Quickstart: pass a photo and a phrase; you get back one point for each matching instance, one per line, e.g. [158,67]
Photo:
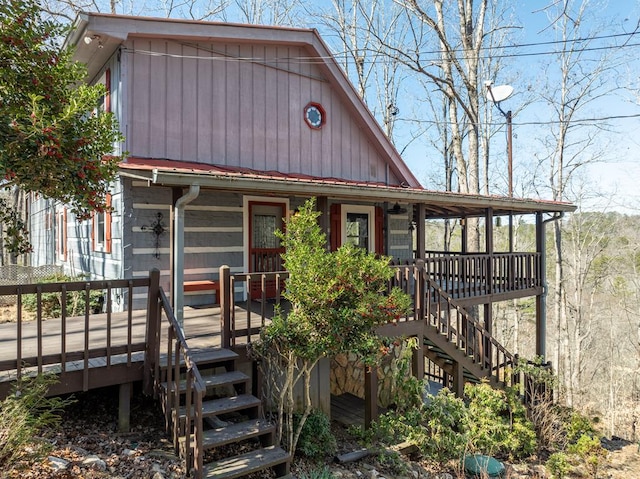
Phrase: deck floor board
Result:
[201,329]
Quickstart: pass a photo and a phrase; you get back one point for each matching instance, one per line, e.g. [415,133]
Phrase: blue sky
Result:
[617,173]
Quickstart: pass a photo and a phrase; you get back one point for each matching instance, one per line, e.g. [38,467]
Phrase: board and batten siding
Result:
[241,105]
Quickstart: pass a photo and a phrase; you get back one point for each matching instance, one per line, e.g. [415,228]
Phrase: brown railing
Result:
[194,389]
[242,325]
[463,330]
[77,341]
[439,308]
[473,274]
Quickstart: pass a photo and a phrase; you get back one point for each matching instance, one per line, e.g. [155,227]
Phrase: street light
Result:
[498,94]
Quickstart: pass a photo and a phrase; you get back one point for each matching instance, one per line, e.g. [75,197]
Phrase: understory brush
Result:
[74,303]
[25,412]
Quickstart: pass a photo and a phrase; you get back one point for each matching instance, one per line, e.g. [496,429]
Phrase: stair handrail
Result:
[195,390]
[480,336]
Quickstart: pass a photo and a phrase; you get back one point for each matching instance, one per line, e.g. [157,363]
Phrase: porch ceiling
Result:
[438,204]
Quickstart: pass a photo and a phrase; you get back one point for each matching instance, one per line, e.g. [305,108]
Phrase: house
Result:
[228,129]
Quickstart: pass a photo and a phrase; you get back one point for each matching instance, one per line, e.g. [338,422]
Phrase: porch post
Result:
[152,341]
[464,235]
[458,379]
[421,231]
[322,205]
[491,279]
[488,245]
[417,365]
[541,303]
[225,305]
[370,396]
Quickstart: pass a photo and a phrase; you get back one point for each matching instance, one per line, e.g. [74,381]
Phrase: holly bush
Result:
[54,137]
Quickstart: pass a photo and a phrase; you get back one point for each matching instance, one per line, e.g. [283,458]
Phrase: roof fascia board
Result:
[361,192]
[123,27]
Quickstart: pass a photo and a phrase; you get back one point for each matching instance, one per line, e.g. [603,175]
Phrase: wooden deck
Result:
[116,343]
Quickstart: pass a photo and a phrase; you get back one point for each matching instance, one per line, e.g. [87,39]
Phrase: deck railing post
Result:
[225,305]
[153,329]
[421,289]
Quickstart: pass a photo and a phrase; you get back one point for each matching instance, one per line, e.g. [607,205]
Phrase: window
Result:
[104,103]
[61,234]
[357,224]
[101,229]
[357,229]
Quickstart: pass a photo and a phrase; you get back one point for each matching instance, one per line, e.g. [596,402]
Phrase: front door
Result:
[264,247]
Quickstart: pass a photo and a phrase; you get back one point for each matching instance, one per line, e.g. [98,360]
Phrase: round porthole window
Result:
[314,115]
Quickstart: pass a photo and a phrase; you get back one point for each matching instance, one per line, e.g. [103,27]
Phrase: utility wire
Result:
[345,55]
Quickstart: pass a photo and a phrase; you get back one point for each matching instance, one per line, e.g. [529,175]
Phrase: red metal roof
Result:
[438,203]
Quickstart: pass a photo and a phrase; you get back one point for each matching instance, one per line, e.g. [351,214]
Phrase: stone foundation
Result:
[347,376]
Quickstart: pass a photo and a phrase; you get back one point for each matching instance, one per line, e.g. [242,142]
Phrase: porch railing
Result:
[66,344]
[182,379]
[474,274]
[254,316]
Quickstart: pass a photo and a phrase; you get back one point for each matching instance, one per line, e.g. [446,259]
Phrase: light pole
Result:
[498,94]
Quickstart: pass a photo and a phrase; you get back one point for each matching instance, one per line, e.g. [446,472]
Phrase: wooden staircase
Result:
[460,346]
[232,420]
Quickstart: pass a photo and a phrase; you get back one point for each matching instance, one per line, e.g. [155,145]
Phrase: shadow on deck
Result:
[104,350]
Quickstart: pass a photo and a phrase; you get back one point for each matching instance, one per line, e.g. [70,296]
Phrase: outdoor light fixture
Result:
[90,38]
[397,210]
[498,94]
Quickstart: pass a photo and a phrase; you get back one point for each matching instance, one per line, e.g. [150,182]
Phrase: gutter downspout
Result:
[541,347]
[177,288]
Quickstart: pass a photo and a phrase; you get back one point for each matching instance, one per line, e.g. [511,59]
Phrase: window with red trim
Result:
[357,224]
[61,234]
[101,229]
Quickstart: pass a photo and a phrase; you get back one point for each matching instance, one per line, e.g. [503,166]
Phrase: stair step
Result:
[206,356]
[247,463]
[216,380]
[234,432]
[215,407]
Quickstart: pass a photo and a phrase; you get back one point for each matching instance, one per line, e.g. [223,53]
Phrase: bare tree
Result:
[67,10]
[266,12]
[361,30]
[574,80]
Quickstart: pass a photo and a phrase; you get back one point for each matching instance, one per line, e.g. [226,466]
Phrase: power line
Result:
[576,122]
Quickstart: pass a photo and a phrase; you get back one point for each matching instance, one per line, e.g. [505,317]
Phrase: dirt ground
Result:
[88,445]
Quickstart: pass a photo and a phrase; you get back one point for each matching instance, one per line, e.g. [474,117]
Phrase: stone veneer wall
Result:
[347,376]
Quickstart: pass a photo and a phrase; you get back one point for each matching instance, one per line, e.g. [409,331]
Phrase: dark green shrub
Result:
[558,465]
[498,422]
[438,428]
[52,302]
[590,452]
[24,413]
[316,439]
[578,425]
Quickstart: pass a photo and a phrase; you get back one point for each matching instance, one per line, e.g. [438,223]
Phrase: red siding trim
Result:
[107,226]
[336,226]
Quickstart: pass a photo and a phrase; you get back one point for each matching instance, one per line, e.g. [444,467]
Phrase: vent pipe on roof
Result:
[177,288]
